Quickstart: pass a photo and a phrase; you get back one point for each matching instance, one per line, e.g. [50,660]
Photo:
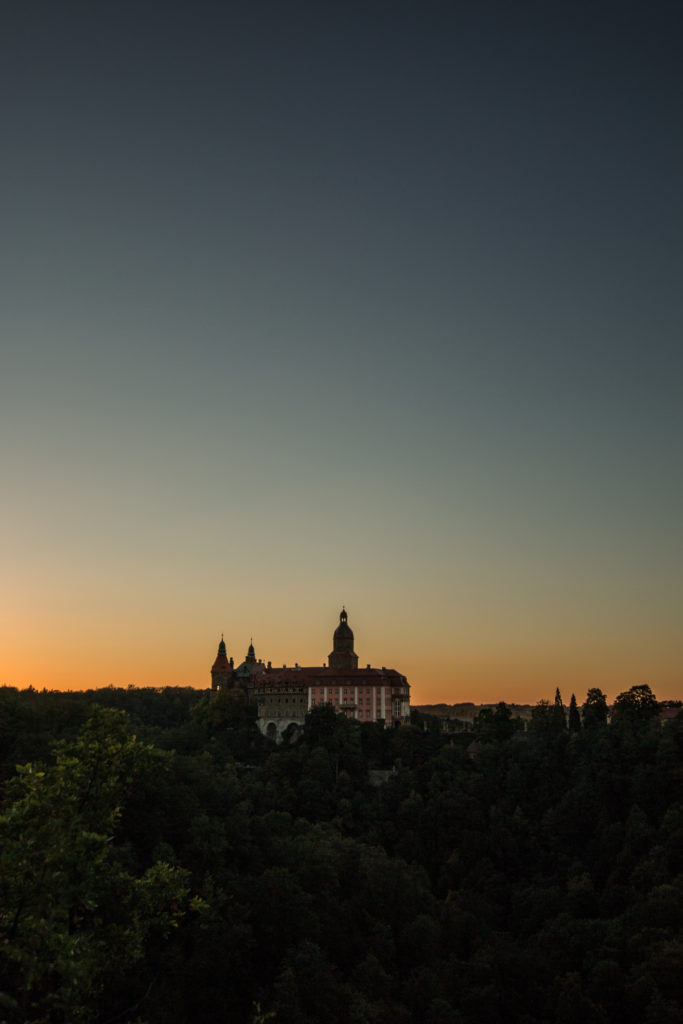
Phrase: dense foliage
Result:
[161,861]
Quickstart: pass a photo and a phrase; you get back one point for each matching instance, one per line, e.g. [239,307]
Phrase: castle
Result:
[284,695]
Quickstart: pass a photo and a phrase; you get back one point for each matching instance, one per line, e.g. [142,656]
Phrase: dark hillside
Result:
[161,861]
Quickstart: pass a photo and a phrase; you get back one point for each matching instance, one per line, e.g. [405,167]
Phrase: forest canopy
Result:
[160,860]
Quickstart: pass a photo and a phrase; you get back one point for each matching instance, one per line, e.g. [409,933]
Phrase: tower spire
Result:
[343,657]
[221,668]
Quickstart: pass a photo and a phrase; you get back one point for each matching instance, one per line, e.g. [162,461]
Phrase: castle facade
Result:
[284,695]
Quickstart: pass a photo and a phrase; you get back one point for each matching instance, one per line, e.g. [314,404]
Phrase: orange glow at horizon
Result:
[457,672]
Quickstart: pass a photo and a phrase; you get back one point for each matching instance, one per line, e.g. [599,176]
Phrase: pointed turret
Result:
[221,670]
[250,667]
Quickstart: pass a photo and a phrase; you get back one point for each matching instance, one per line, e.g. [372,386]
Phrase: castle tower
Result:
[250,666]
[221,670]
[343,657]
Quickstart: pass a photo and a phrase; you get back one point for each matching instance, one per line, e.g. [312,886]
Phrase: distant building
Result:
[284,695]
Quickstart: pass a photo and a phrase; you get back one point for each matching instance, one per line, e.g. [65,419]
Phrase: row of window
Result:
[361,712]
[346,689]
[270,699]
[345,700]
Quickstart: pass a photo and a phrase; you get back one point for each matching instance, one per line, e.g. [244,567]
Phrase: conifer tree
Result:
[574,716]
[559,718]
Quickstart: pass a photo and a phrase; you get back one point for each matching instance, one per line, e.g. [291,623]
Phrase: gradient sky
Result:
[368,303]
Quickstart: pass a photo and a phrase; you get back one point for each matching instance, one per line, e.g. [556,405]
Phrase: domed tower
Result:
[343,657]
[221,670]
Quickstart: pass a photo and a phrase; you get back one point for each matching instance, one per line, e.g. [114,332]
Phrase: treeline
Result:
[162,861]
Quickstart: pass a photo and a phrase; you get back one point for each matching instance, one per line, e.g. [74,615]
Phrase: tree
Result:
[574,716]
[322,726]
[541,717]
[495,726]
[70,914]
[559,717]
[594,709]
[635,707]
[548,719]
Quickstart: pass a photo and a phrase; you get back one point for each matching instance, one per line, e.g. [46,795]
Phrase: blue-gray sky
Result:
[374,303]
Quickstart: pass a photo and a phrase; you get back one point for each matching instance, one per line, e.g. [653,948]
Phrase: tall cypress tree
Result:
[574,716]
[559,719]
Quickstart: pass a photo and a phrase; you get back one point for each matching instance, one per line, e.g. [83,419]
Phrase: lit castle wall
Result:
[284,695]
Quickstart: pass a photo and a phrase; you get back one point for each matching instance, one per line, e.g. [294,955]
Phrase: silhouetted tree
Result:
[322,725]
[636,706]
[541,717]
[494,725]
[559,717]
[574,716]
[595,708]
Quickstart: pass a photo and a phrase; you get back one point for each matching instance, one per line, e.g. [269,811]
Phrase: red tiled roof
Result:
[221,664]
[306,675]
